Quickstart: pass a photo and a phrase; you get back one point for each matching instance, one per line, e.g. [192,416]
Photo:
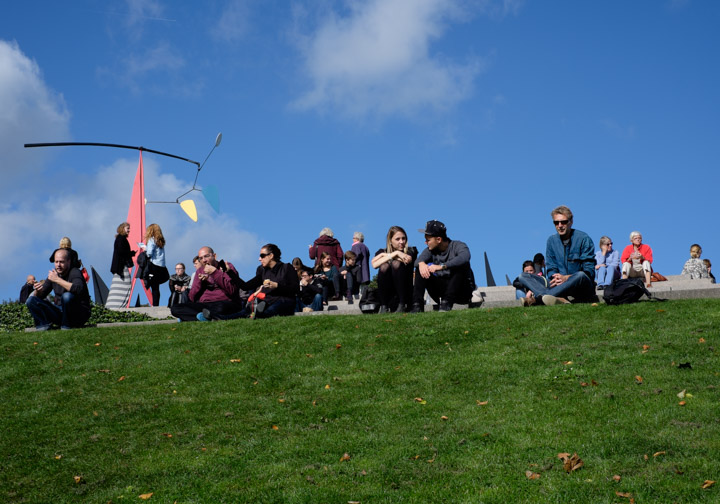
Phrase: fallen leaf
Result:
[345,457]
[682,403]
[708,484]
[701,340]
[638,379]
[594,383]
[567,363]
[444,418]
[121,378]
[420,400]
[571,464]
[658,453]
[281,400]
[80,479]
[646,348]
[626,495]
[103,371]
[167,434]
[531,475]
[681,394]
[327,387]
[98,344]
[645,457]
[58,457]
[235,360]
[481,403]
[145,496]
[275,427]
[583,384]
[95,413]
[309,356]
[338,346]
[617,478]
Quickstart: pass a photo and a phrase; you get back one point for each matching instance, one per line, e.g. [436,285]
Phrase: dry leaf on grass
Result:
[444,418]
[481,403]
[275,427]
[571,463]
[682,403]
[617,478]
[701,340]
[345,457]
[235,360]
[121,378]
[531,475]
[80,479]
[145,496]
[638,379]
[658,453]
[707,484]
[681,394]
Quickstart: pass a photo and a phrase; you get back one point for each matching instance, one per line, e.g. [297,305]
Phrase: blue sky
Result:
[359,115]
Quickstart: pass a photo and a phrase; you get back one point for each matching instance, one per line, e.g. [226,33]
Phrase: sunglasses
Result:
[263,256]
[563,222]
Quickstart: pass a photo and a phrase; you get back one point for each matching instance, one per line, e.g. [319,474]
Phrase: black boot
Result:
[417,308]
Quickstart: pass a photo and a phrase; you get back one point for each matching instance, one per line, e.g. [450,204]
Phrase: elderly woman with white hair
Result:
[637,259]
[326,242]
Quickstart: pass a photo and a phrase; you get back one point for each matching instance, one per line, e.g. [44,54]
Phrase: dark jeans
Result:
[70,313]
[316,304]
[187,312]
[455,287]
[282,307]
[394,280]
[579,286]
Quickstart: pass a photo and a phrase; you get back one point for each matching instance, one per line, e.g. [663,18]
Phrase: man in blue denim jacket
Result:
[570,261]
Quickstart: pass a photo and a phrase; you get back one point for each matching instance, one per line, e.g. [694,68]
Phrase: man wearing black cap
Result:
[443,268]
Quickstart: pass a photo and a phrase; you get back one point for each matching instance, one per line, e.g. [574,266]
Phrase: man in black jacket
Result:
[27,288]
[72,299]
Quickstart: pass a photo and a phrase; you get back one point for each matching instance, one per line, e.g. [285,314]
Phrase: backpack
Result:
[369,302]
[625,291]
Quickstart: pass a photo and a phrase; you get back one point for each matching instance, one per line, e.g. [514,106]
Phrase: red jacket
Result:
[645,250]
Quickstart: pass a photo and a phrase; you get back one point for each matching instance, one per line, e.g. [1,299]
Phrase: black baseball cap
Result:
[434,228]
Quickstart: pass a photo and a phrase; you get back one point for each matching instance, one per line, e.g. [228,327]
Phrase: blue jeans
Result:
[579,286]
[69,314]
[520,294]
[316,305]
[605,275]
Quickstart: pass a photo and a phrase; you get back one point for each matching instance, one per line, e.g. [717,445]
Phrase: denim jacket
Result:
[578,255]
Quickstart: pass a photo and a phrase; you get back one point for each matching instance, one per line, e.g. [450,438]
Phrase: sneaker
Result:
[206,313]
[445,306]
[383,309]
[528,301]
[549,300]
[476,297]
[201,317]
[350,300]
[402,308]
[417,308]
[45,327]
[65,328]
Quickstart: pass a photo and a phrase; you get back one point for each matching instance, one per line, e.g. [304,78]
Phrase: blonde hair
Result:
[391,233]
[695,250]
[121,228]
[605,240]
[563,210]
[153,231]
[65,243]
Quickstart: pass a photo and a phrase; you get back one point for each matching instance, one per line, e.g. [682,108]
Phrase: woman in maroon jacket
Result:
[326,242]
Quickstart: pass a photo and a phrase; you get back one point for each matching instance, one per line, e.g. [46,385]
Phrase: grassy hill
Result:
[468,406]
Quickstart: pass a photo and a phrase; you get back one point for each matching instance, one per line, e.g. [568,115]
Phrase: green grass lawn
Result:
[434,407]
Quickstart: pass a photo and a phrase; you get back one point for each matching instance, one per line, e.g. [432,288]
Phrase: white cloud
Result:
[31,113]
[90,215]
[233,23]
[377,60]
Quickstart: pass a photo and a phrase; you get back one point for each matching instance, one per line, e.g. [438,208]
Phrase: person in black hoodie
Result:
[310,297]
[275,287]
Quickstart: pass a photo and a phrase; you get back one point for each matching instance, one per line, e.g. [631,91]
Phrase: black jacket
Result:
[285,276]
